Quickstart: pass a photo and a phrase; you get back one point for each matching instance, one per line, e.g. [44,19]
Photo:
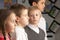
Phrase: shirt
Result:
[2,37]
[20,33]
[36,29]
[42,25]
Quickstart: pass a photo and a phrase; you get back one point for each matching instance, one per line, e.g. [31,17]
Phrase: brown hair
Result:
[18,9]
[31,1]
[4,13]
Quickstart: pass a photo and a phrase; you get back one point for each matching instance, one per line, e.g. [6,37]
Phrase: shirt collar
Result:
[36,29]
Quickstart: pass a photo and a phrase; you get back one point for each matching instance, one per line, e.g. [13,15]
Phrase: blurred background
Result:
[51,14]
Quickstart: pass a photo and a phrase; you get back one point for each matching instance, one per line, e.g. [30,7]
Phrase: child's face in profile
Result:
[10,23]
[40,5]
[34,16]
[24,18]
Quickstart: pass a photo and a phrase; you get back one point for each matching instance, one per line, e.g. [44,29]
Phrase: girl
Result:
[7,23]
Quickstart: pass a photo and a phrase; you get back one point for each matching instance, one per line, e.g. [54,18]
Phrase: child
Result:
[33,31]
[7,23]
[22,20]
[41,5]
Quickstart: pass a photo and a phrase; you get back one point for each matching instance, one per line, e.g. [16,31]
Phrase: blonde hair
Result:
[32,8]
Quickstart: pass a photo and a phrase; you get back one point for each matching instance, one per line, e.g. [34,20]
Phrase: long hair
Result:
[4,13]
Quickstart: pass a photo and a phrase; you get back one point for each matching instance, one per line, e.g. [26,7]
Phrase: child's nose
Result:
[34,17]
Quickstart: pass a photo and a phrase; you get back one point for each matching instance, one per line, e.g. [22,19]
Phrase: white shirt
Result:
[42,25]
[36,29]
[20,33]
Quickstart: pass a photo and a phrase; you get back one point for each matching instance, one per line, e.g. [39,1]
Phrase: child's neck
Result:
[20,25]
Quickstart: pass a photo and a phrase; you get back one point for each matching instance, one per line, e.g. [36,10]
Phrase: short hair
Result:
[18,9]
[31,1]
[32,8]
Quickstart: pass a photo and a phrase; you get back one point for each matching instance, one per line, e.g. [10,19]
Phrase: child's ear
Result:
[17,19]
[34,3]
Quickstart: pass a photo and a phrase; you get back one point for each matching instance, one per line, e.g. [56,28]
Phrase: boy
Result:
[32,29]
[40,4]
[22,20]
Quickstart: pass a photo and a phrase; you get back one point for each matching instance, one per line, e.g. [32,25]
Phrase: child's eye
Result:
[36,14]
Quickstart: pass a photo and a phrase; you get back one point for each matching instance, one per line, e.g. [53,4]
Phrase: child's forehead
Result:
[35,12]
[42,0]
